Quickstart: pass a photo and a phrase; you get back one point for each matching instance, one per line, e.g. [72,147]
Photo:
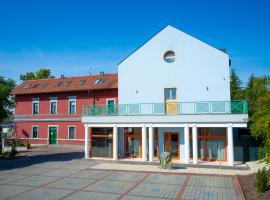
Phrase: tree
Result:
[256,87]
[40,74]
[236,90]
[260,122]
[6,99]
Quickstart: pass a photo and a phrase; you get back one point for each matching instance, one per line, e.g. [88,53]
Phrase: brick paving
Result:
[52,179]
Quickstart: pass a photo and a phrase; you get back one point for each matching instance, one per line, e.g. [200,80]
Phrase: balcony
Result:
[181,108]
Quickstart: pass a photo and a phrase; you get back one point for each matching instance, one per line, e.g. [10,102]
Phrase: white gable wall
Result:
[143,76]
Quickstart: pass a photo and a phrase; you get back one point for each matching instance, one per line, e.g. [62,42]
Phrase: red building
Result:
[48,111]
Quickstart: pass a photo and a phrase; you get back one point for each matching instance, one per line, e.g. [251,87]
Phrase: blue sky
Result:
[79,37]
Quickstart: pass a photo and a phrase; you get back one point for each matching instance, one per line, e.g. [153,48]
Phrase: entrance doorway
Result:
[133,143]
[52,135]
[172,144]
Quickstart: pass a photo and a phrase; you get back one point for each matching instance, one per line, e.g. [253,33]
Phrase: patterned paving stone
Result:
[156,190]
[43,193]
[126,176]
[211,181]
[211,193]
[94,174]
[83,195]
[71,183]
[6,178]
[8,191]
[60,172]
[165,179]
[131,197]
[110,186]
[30,171]
[35,180]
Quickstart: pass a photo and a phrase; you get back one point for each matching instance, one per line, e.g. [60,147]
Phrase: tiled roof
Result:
[79,83]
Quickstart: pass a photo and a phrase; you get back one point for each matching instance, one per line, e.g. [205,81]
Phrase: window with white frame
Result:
[72,105]
[34,132]
[53,105]
[35,106]
[110,105]
[72,132]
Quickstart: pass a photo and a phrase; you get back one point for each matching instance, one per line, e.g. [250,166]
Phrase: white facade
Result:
[200,72]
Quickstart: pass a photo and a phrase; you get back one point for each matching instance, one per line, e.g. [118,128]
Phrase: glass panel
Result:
[174,145]
[102,131]
[166,142]
[111,107]
[35,108]
[215,149]
[173,90]
[71,133]
[216,132]
[101,147]
[35,132]
[155,144]
[72,107]
[201,148]
[53,107]
[167,94]
[133,147]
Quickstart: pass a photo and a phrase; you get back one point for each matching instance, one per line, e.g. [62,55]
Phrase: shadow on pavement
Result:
[8,164]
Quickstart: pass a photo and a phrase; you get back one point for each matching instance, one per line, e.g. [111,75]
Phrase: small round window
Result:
[169,56]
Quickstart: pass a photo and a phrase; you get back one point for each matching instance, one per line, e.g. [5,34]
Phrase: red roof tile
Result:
[79,83]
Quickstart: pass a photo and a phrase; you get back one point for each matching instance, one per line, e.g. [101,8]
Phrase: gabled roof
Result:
[67,84]
[167,26]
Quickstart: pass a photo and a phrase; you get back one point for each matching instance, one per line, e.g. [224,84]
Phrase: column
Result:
[186,138]
[115,142]
[144,154]
[230,145]
[195,144]
[86,141]
[151,144]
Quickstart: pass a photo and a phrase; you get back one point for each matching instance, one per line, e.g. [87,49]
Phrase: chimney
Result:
[62,76]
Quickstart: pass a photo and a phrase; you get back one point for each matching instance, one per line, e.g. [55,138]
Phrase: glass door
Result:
[171,144]
[133,143]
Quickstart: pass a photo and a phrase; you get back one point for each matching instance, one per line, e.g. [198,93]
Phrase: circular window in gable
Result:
[169,56]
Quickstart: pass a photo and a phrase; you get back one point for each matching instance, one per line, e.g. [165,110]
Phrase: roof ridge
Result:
[71,77]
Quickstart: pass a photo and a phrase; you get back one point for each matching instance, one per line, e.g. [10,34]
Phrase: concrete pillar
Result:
[186,138]
[195,144]
[144,153]
[86,141]
[230,145]
[115,142]
[151,144]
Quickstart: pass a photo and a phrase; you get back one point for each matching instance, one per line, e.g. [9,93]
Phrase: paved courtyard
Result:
[69,176]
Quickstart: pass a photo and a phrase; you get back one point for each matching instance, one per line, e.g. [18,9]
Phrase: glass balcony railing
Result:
[204,107]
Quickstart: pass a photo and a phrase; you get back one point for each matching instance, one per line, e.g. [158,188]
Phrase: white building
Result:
[173,95]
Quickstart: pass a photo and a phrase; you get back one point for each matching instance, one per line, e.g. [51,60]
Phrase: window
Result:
[34,132]
[35,107]
[170,93]
[67,83]
[72,105]
[58,84]
[27,86]
[110,106]
[81,82]
[100,81]
[169,57]
[71,132]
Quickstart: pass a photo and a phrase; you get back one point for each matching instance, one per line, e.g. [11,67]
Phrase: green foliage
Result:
[165,159]
[6,99]
[262,179]
[256,88]
[235,83]
[40,74]
[260,122]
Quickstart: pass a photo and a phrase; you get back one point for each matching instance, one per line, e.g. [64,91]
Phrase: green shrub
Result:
[262,179]
[165,159]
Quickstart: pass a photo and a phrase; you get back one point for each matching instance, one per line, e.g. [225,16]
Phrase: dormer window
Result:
[99,81]
[81,82]
[27,86]
[169,56]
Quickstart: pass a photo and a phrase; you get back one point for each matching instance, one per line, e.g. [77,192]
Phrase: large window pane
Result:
[101,147]
[53,107]
[72,107]
[71,132]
